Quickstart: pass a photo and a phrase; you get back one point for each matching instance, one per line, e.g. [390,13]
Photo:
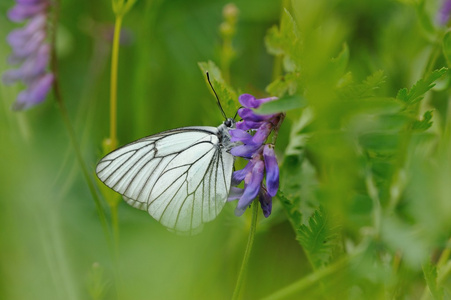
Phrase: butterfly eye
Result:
[229,122]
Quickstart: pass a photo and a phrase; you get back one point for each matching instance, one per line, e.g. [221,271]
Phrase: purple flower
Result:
[30,51]
[272,170]
[252,132]
[265,202]
[444,13]
[252,183]
[250,101]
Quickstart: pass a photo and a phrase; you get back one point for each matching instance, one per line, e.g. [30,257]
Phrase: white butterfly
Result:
[181,177]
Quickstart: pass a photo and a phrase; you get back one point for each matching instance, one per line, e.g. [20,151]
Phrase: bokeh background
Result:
[51,236]
[51,241]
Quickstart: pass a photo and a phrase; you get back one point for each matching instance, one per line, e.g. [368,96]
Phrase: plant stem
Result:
[309,280]
[113,119]
[72,136]
[113,83]
[250,241]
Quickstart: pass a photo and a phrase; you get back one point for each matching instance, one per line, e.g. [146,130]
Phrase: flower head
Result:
[30,51]
[251,134]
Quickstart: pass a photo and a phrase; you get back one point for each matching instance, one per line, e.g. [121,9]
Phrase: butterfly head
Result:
[230,123]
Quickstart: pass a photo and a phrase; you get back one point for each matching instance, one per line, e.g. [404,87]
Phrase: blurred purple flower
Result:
[444,13]
[262,158]
[31,51]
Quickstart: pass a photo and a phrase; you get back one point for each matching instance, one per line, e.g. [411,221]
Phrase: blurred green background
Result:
[51,239]
[50,232]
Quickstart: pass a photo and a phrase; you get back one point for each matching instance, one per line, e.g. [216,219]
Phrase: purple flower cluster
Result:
[31,51]
[444,13]
[261,156]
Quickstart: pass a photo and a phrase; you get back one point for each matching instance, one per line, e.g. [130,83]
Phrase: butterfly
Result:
[181,177]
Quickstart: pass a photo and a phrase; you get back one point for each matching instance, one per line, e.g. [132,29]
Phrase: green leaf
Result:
[286,84]
[281,105]
[226,93]
[274,41]
[319,238]
[365,89]
[399,235]
[285,39]
[373,105]
[291,207]
[340,63]
[447,47]
[424,124]
[380,141]
[430,275]
[415,94]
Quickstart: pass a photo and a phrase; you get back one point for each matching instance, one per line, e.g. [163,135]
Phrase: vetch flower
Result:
[272,170]
[444,13]
[265,202]
[31,51]
[251,134]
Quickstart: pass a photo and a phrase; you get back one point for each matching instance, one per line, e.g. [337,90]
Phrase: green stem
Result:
[308,281]
[435,53]
[115,223]
[113,142]
[72,136]
[113,83]
[277,67]
[247,253]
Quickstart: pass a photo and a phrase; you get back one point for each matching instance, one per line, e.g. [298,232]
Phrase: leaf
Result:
[274,41]
[281,105]
[447,47]
[340,63]
[286,84]
[365,89]
[285,39]
[424,124]
[373,105]
[292,209]
[226,93]
[415,94]
[383,141]
[430,275]
[319,238]
[400,235]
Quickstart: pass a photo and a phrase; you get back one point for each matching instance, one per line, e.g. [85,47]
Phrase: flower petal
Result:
[265,202]
[247,125]
[35,94]
[235,193]
[248,114]
[262,133]
[248,100]
[11,76]
[245,151]
[238,135]
[252,185]
[272,170]
[35,65]
[239,175]
[26,46]
[23,11]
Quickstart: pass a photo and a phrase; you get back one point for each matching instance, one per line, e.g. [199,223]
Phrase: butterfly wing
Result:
[181,177]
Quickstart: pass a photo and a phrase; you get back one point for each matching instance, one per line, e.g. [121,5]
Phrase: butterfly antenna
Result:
[236,114]
[216,95]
